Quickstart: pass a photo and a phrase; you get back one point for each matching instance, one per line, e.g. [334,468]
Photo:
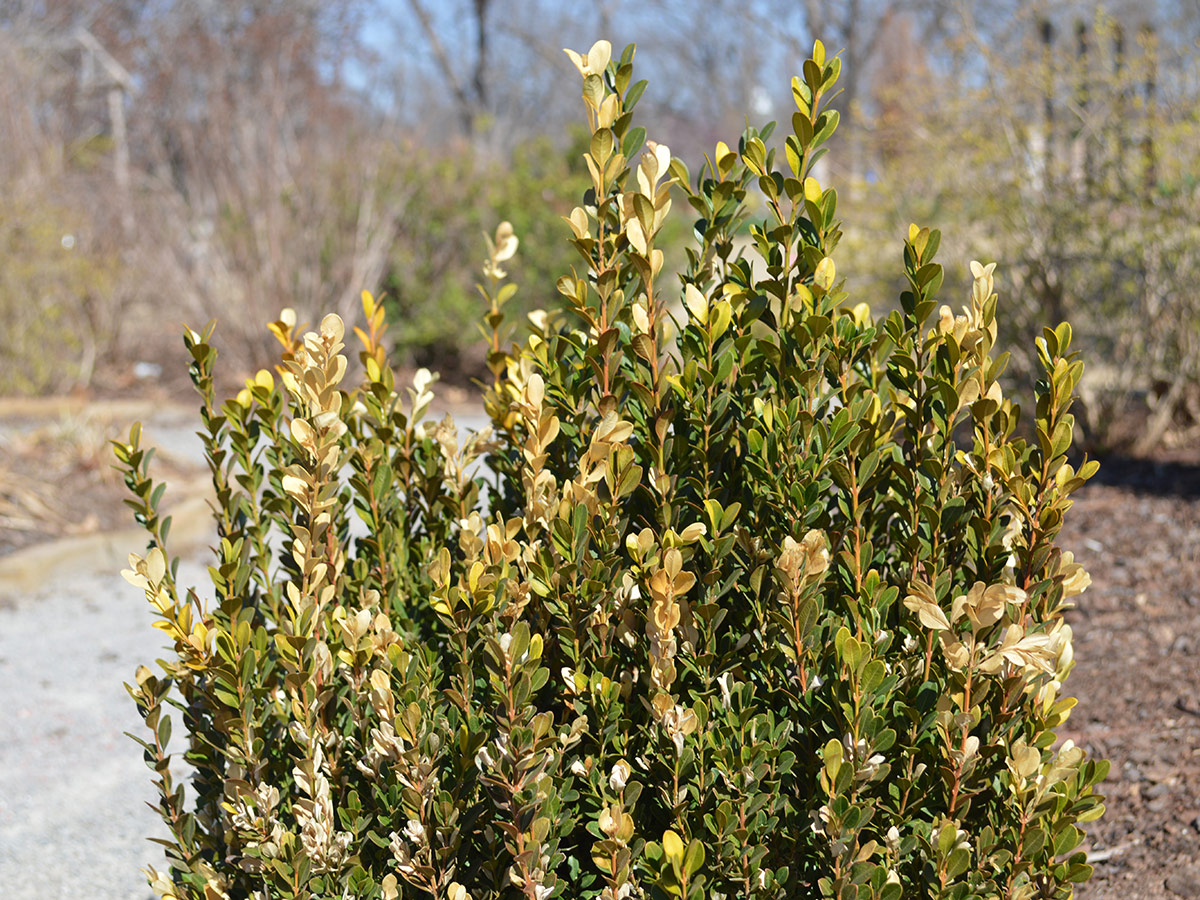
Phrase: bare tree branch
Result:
[468,106]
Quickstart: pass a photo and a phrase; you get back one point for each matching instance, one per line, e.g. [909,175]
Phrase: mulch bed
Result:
[1136,529]
[57,480]
[57,475]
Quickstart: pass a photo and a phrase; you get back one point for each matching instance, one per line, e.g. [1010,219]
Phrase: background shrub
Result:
[756,596]
[1073,161]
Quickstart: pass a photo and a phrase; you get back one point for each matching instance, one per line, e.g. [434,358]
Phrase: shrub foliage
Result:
[749,595]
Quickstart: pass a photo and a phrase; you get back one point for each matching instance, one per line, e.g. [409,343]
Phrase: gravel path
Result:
[73,787]
[73,823]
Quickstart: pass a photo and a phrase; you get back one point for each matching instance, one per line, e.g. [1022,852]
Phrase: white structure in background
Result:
[99,69]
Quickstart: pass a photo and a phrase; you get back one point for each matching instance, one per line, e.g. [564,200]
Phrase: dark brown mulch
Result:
[1136,528]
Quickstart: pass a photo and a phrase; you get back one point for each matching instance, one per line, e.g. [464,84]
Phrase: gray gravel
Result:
[73,823]
[73,787]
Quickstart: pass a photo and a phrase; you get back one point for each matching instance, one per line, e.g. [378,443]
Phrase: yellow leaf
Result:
[138,581]
[294,487]
[332,327]
[637,237]
[577,59]
[683,583]
[156,565]
[302,432]
[535,390]
[579,222]
[672,846]
[608,111]
[696,303]
[506,242]
[930,614]
[825,274]
[598,57]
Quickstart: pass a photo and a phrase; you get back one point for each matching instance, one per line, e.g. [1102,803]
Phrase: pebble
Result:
[1185,883]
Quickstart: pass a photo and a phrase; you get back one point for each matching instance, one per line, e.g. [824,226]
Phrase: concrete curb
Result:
[27,570]
[49,408]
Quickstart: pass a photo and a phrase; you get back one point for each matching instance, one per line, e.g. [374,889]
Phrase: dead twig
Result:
[1109,852]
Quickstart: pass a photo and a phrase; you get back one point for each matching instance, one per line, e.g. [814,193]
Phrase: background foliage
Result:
[1074,156]
[426,285]
[231,159]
